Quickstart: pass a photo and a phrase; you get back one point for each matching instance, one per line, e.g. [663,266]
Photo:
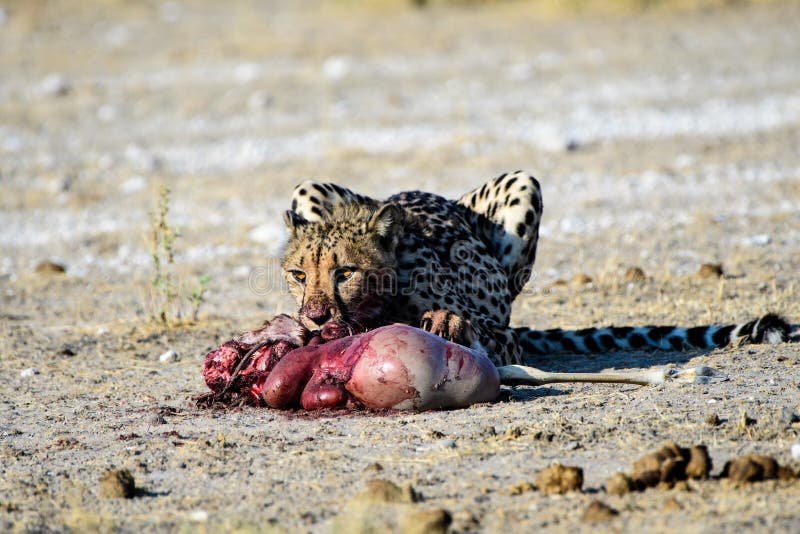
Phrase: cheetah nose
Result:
[319,316]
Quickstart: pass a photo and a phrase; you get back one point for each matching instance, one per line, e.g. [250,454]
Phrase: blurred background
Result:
[665,134]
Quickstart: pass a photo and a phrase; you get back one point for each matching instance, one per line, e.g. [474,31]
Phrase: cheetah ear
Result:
[384,223]
[293,221]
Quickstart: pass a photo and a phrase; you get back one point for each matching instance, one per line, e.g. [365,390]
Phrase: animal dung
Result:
[665,468]
[710,270]
[559,479]
[755,468]
[117,484]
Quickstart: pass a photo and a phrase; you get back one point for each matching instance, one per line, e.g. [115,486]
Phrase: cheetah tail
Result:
[770,328]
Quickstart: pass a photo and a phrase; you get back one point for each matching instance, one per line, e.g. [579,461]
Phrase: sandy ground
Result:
[662,141]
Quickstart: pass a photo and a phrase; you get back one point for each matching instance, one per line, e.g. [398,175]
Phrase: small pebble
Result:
[168,357]
[572,445]
[336,67]
[581,279]
[635,275]
[198,516]
[787,415]
[672,505]
[374,467]
[29,372]
[49,267]
[759,240]
[55,85]
[157,419]
[795,451]
[259,100]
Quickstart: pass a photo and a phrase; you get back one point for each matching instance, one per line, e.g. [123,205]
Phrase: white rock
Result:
[259,100]
[29,372]
[336,67]
[242,271]
[133,184]
[168,357]
[796,451]
[198,516]
[55,84]
[102,331]
[106,113]
[759,240]
[247,72]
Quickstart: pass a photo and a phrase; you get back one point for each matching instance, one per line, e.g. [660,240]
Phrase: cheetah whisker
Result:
[530,376]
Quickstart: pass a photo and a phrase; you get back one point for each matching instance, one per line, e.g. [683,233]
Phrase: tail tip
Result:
[772,328]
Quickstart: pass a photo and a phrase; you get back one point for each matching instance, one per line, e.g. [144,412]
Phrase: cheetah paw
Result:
[449,326]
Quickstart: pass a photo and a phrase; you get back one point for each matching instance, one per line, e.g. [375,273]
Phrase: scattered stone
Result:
[581,279]
[158,419]
[598,512]
[559,479]
[755,468]
[169,356]
[710,270]
[672,505]
[29,372]
[488,431]
[48,267]
[635,275]
[117,484]
[68,350]
[259,100]
[795,448]
[374,467]
[133,185]
[786,415]
[384,491]
[336,67]
[519,489]
[700,464]
[758,240]
[572,445]
[55,84]
[620,484]
[198,516]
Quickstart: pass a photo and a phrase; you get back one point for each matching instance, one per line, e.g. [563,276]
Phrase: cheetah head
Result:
[341,270]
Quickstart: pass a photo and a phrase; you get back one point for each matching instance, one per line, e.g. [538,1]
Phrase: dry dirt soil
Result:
[663,140]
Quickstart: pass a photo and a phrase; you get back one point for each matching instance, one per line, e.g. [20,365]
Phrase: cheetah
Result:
[450,267]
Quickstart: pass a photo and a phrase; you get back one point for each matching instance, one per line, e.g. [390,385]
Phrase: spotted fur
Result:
[453,267]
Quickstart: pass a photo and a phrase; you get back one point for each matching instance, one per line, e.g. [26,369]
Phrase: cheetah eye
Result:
[298,275]
[344,273]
